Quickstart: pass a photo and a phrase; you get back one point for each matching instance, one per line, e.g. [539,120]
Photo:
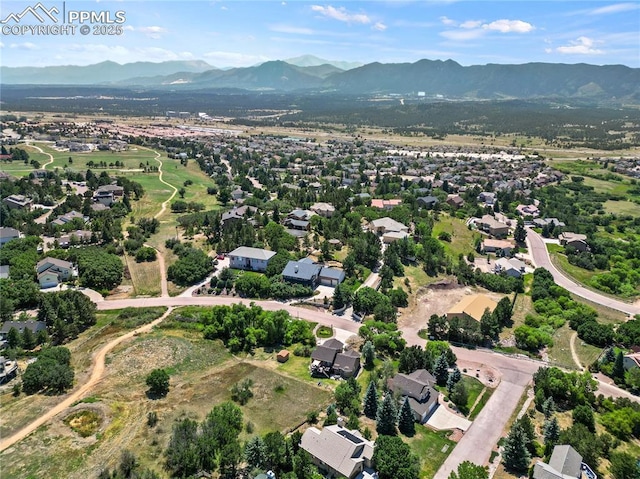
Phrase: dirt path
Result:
[95,377]
[41,151]
[574,355]
[175,190]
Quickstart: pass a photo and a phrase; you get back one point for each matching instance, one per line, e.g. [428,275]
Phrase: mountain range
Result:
[435,78]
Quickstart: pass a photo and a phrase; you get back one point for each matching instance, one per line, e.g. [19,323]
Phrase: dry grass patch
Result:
[145,277]
[85,423]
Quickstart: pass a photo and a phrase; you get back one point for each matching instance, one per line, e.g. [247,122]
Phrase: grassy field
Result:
[202,373]
[145,277]
[622,208]
[431,447]
[604,186]
[462,238]
[560,352]
[474,389]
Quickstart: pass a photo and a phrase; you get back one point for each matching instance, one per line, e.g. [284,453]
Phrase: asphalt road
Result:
[540,255]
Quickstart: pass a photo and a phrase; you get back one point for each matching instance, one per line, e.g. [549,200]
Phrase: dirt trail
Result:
[574,355]
[95,377]
[44,166]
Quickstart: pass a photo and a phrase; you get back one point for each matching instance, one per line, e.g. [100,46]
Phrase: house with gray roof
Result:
[331,276]
[302,272]
[339,451]
[52,271]
[330,359]
[385,225]
[7,234]
[565,463]
[250,259]
[427,201]
[20,326]
[418,388]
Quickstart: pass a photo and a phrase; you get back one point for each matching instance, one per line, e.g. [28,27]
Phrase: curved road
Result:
[541,258]
[96,376]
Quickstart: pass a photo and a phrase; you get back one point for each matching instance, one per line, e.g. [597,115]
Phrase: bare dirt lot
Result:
[437,299]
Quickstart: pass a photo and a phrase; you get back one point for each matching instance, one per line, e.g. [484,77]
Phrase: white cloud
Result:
[509,26]
[448,21]
[471,24]
[152,31]
[291,29]
[580,46]
[341,14]
[24,46]
[615,8]
[381,27]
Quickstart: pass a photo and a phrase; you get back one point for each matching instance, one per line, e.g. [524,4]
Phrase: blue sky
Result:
[244,33]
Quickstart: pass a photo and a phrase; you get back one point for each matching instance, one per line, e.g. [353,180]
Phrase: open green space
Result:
[560,352]
[431,447]
[462,238]
[622,207]
[474,389]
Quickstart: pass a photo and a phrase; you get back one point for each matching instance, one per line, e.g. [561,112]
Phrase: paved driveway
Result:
[442,418]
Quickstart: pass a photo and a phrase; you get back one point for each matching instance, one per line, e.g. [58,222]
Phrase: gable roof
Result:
[334,343]
[6,232]
[349,361]
[332,273]
[48,262]
[565,463]
[341,449]
[324,354]
[473,306]
[34,326]
[389,224]
[416,385]
[253,253]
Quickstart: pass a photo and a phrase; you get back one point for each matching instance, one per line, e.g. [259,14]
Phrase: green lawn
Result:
[431,447]
[462,238]
[622,207]
[560,352]
[474,388]
[604,186]
[488,392]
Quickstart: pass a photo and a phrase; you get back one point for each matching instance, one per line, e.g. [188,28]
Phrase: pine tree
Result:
[548,407]
[371,401]
[516,455]
[441,370]
[406,422]
[332,416]
[453,379]
[520,234]
[387,415]
[551,431]
[368,354]
[618,367]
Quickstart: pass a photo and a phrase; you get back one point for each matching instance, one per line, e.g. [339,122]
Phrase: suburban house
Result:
[427,202]
[52,271]
[325,210]
[542,222]
[575,240]
[472,306]
[75,237]
[68,217]
[300,215]
[511,267]
[490,225]
[565,463]
[630,361]
[237,215]
[300,225]
[455,201]
[385,225]
[528,210]
[7,234]
[302,272]
[250,259]
[20,326]
[418,388]
[330,359]
[18,202]
[499,247]
[4,271]
[339,451]
[107,194]
[385,204]
[487,198]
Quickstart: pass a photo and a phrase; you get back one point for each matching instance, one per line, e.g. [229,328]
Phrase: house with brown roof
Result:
[418,388]
[499,247]
[455,201]
[472,306]
[339,451]
[490,225]
[574,240]
[330,359]
[18,202]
